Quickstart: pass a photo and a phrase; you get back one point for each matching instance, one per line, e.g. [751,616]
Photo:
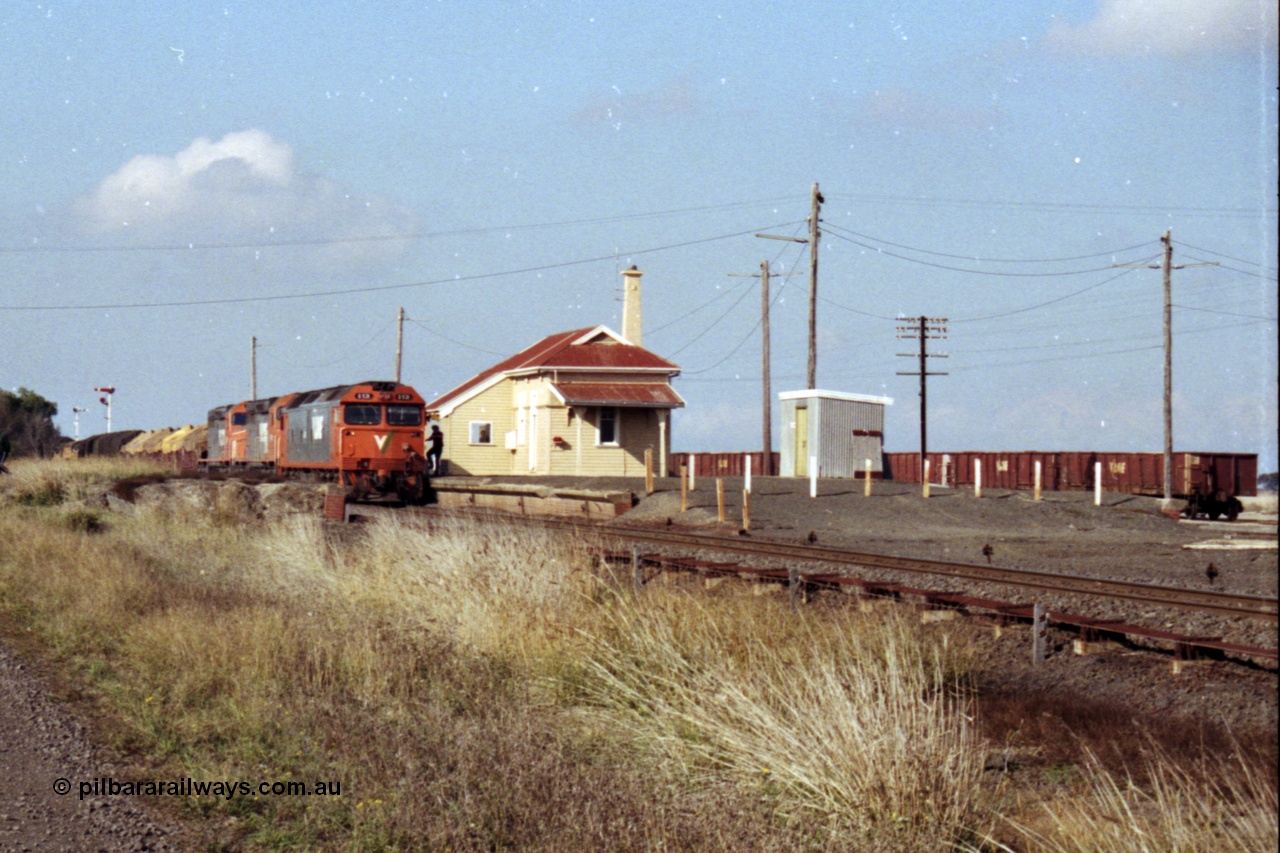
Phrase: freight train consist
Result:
[369,437]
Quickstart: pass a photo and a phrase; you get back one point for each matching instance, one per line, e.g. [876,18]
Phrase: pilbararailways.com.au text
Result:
[105,786]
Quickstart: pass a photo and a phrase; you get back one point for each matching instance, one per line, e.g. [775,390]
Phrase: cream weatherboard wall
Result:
[525,417]
[491,406]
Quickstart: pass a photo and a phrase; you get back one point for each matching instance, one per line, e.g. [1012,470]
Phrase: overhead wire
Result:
[1222,255]
[432,331]
[378,238]
[1233,269]
[834,231]
[1057,207]
[738,301]
[378,288]
[977,259]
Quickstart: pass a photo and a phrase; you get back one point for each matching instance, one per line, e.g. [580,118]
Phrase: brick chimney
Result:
[631,324]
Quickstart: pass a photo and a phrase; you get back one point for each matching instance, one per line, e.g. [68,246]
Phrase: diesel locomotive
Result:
[369,437]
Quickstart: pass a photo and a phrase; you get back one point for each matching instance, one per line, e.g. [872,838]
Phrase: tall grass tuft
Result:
[850,721]
[49,482]
[1221,806]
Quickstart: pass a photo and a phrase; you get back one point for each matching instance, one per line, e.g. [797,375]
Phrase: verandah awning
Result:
[656,395]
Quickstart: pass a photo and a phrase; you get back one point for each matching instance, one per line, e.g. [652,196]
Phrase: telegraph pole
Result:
[766,403]
[253,368]
[815,205]
[399,342]
[766,461]
[1167,267]
[923,329]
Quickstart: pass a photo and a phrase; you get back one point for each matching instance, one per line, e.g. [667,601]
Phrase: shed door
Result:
[802,441]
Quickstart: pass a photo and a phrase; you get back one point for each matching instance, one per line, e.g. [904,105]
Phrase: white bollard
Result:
[1097,484]
[1038,480]
[813,476]
[925,487]
[746,484]
[977,478]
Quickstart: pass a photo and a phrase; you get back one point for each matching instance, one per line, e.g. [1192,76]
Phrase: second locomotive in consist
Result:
[369,437]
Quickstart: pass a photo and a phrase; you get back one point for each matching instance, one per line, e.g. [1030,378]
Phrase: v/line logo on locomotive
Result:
[369,437]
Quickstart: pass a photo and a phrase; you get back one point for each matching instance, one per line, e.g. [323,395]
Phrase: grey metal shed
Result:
[836,430]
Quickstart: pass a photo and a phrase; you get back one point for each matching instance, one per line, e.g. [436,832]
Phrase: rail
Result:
[1204,601]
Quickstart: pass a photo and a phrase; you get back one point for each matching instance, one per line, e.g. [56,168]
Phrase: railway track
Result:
[1203,601]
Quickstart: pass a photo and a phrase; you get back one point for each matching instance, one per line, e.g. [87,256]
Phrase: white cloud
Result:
[1171,28]
[205,176]
[245,186]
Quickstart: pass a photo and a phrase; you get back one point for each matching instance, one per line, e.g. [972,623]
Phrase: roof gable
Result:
[594,348]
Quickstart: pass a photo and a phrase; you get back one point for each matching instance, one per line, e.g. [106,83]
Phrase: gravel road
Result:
[42,746]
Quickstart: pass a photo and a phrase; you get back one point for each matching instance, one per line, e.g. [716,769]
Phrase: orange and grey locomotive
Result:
[369,437]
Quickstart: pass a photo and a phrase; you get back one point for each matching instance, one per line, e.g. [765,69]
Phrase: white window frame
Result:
[473,433]
[617,427]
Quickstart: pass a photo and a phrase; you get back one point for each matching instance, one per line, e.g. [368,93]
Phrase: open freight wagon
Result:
[1209,482]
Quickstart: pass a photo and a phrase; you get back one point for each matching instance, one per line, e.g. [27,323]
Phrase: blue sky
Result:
[178,178]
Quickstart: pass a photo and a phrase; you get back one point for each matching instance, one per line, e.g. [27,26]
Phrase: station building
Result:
[587,402]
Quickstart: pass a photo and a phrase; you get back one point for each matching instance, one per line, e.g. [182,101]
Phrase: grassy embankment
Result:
[480,689]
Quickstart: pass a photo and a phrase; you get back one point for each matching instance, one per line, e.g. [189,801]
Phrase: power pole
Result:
[766,403]
[399,342]
[253,368]
[923,329]
[1167,267]
[766,461]
[815,205]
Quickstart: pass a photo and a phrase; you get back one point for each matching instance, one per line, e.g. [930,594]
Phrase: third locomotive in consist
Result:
[369,437]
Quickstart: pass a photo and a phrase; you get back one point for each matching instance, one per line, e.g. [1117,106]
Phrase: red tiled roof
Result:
[652,394]
[565,350]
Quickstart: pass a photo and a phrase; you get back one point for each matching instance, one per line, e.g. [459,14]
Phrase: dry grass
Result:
[852,722]
[478,688]
[1229,806]
[49,482]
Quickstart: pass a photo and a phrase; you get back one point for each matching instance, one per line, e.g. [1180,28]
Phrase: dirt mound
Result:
[231,500]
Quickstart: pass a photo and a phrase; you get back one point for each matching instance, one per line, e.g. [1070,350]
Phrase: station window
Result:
[239,419]
[402,415]
[608,425]
[362,414]
[481,432]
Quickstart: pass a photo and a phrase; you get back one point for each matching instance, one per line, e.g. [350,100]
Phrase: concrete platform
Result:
[531,496]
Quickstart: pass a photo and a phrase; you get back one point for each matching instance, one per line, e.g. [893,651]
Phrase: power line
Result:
[1062,207]
[991,260]
[1228,257]
[379,238]
[880,251]
[1225,313]
[451,340]
[1234,269]
[721,295]
[1043,304]
[377,288]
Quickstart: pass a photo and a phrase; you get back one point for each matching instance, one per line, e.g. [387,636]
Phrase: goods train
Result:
[367,437]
